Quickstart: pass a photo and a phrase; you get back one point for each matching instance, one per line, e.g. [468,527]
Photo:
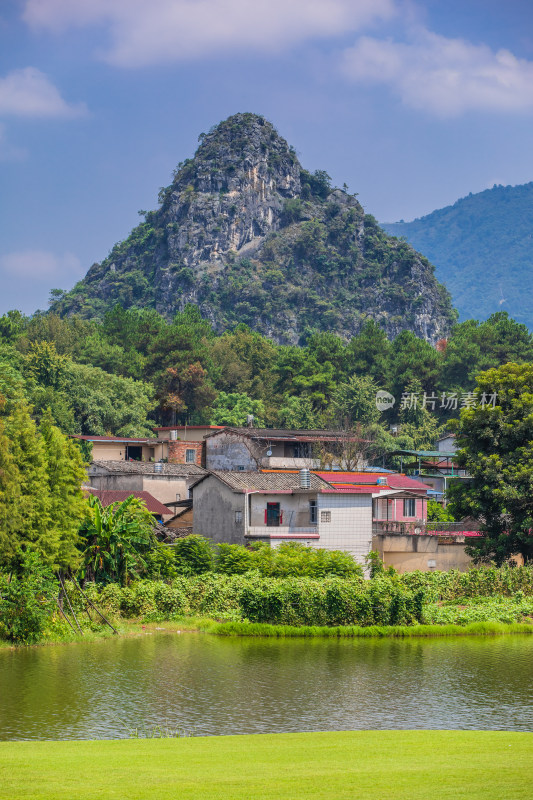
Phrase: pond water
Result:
[205,684]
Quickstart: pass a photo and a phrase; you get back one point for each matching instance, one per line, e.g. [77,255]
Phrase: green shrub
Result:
[27,599]
[193,555]
[233,559]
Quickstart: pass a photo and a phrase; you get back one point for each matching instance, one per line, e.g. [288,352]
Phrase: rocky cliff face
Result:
[249,236]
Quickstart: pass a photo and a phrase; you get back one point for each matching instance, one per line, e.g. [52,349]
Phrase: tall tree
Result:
[65,475]
[496,448]
[11,517]
[29,454]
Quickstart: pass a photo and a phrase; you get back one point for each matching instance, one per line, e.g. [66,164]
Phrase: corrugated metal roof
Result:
[147,468]
[281,434]
[394,480]
[109,496]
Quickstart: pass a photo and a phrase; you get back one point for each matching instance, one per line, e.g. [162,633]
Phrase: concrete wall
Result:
[163,487]
[116,451]
[425,553]
[107,451]
[188,434]
[350,528]
[214,512]
[294,508]
[229,451]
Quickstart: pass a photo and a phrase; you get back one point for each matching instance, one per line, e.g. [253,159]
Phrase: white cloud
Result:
[158,31]
[445,77]
[41,264]
[28,93]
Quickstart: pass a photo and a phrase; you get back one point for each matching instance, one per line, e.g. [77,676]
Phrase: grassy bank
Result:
[141,627]
[371,765]
[372,631]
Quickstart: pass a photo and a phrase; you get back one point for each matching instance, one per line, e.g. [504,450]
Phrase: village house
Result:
[435,468]
[251,449]
[275,507]
[179,444]
[351,511]
[168,483]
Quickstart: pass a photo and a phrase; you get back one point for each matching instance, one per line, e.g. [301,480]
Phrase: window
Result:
[238,516]
[190,456]
[178,497]
[325,516]
[409,509]
[273,516]
[312,512]
[240,467]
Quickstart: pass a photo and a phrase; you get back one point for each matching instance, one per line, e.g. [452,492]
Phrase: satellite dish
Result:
[269,452]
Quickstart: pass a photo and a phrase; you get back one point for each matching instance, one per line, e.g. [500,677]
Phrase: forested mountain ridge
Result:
[247,235]
[482,248]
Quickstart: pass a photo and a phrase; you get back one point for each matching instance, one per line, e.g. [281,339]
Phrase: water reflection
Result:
[215,685]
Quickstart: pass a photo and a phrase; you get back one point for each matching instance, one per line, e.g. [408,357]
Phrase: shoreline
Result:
[207,625]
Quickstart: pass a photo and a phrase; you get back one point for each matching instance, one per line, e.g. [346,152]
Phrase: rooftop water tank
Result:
[305,478]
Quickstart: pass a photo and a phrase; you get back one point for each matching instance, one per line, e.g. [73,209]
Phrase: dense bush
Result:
[291,601]
[196,554]
[193,555]
[476,582]
[27,597]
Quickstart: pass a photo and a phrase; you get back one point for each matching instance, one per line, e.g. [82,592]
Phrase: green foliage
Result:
[355,402]
[233,408]
[374,564]
[496,449]
[482,250]
[116,540]
[436,512]
[297,413]
[233,559]
[193,555]
[27,597]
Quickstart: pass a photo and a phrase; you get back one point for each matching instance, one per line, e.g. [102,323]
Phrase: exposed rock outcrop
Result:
[249,236]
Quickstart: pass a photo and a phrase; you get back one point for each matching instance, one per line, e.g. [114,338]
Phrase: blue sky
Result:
[412,104]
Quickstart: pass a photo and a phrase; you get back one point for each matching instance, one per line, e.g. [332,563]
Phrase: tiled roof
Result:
[266,481]
[109,496]
[147,468]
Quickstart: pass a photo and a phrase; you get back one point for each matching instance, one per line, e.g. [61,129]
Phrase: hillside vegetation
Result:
[246,234]
[482,249]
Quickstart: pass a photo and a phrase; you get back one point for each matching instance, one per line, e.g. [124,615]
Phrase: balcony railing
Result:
[287,462]
[421,528]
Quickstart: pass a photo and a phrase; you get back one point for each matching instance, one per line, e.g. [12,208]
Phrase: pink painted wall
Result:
[395,510]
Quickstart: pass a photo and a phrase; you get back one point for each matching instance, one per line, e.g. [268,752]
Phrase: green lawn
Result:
[382,765]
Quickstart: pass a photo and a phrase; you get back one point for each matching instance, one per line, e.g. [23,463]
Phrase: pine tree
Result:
[65,474]
[11,519]
[33,529]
